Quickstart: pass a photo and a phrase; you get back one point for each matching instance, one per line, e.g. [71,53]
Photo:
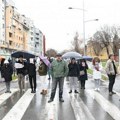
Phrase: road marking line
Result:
[110,108]
[81,111]
[52,111]
[5,96]
[52,108]
[18,110]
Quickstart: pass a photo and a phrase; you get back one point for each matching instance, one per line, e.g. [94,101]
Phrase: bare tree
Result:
[109,37]
[51,53]
[103,37]
[115,34]
[96,46]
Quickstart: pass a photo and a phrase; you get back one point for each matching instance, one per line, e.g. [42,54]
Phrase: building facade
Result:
[2,26]
[17,32]
[38,42]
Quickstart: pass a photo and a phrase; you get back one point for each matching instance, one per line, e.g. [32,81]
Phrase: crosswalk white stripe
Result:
[52,111]
[5,96]
[18,110]
[81,111]
[79,115]
[105,104]
[52,108]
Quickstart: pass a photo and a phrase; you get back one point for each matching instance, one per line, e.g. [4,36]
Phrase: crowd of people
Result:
[74,70]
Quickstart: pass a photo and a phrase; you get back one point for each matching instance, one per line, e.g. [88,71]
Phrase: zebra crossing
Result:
[87,105]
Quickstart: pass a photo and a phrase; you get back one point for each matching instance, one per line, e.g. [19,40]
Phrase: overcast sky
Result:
[59,24]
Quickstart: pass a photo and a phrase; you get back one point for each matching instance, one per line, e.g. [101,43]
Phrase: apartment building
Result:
[38,41]
[31,43]
[2,26]
[17,32]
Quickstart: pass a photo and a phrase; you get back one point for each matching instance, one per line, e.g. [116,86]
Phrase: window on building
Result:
[3,17]
[10,42]
[31,38]
[10,34]
[3,26]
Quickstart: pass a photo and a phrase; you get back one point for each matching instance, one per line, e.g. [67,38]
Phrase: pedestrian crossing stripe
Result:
[110,108]
[81,111]
[18,110]
[52,111]
[5,96]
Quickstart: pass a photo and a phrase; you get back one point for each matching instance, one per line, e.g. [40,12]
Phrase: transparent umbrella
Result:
[69,55]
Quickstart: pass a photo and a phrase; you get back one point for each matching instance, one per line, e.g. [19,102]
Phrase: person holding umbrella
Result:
[7,71]
[83,72]
[73,75]
[21,68]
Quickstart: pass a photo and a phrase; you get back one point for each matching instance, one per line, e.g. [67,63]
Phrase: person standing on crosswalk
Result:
[7,71]
[42,71]
[73,75]
[32,74]
[20,66]
[97,68]
[111,70]
[83,76]
[59,70]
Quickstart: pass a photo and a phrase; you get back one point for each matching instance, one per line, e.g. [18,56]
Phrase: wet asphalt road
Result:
[39,108]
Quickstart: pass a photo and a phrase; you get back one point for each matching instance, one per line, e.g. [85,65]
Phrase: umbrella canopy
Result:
[87,57]
[25,54]
[45,60]
[69,55]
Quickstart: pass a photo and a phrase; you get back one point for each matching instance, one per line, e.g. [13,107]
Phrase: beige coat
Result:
[110,68]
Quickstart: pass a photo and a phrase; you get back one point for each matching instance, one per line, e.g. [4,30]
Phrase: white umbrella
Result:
[69,55]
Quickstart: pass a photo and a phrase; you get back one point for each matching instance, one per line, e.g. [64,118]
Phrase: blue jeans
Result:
[55,81]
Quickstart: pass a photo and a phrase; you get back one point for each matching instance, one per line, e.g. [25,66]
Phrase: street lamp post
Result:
[84,24]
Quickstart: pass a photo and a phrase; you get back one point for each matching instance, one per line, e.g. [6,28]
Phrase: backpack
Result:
[42,70]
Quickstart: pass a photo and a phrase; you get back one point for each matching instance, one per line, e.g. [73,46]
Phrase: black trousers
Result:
[32,80]
[82,83]
[111,82]
[55,81]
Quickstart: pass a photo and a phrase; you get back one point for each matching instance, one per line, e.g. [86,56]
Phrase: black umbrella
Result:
[25,54]
[87,58]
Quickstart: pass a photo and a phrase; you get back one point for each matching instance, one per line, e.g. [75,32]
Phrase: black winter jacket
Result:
[73,70]
[7,71]
[31,69]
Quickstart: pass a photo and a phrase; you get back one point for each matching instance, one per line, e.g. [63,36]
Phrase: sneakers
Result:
[97,89]
[61,100]
[70,91]
[113,92]
[7,91]
[31,91]
[49,101]
[76,91]
[110,93]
